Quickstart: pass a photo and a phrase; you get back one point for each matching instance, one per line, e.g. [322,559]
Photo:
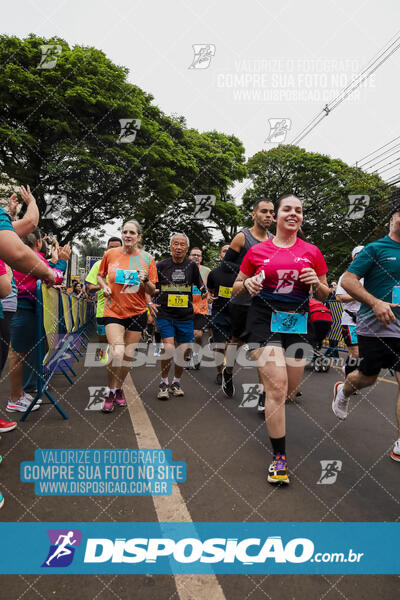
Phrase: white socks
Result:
[340,396]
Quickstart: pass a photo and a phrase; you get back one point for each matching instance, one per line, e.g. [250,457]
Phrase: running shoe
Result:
[157,350]
[277,472]
[395,453]
[189,363]
[176,390]
[298,395]
[218,379]
[28,397]
[196,361]
[104,356]
[227,383]
[120,399]
[340,407]
[261,403]
[163,393]
[147,337]
[7,426]
[1,500]
[20,406]
[108,404]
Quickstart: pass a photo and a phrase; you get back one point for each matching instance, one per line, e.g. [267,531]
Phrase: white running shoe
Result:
[29,398]
[340,406]
[395,453]
[20,406]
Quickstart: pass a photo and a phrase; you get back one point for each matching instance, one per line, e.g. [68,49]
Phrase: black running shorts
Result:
[239,317]
[260,334]
[136,323]
[376,353]
[200,322]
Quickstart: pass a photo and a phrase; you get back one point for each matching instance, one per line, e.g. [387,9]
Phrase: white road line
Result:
[169,508]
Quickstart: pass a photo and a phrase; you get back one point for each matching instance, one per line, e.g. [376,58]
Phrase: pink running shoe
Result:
[120,399]
[108,404]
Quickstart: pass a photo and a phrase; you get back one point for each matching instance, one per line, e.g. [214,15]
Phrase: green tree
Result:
[324,185]
[60,133]
[219,161]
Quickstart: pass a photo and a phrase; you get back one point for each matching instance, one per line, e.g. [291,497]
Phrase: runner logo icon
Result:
[357,205]
[330,470]
[278,129]
[289,322]
[203,54]
[251,394]
[62,547]
[287,277]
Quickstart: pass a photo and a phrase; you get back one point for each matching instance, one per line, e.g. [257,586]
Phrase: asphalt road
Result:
[225,446]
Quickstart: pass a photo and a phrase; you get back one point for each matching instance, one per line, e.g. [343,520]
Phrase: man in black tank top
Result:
[263,216]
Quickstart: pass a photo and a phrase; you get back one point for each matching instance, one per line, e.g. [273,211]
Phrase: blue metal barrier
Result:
[56,336]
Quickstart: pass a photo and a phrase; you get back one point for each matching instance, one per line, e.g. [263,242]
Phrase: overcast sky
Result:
[273,60]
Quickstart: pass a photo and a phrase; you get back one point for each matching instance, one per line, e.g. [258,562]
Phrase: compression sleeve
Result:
[231,260]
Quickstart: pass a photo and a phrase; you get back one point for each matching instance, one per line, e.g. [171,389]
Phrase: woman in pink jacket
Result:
[23,325]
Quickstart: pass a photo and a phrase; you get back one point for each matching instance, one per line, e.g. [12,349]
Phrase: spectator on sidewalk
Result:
[23,330]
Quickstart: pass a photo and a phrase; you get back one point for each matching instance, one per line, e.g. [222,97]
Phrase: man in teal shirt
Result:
[378,320]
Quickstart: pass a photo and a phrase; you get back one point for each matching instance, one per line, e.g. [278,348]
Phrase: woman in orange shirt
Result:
[131,273]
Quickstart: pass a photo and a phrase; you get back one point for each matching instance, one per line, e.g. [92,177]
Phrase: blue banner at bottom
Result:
[194,548]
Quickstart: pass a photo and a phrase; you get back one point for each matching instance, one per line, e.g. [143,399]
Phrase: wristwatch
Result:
[146,279]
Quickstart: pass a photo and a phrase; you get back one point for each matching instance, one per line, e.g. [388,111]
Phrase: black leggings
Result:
[5,337]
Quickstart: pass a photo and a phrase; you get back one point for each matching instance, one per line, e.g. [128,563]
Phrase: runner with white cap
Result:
[349,318]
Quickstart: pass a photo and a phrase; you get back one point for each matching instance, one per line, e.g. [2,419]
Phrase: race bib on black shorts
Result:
[283,322]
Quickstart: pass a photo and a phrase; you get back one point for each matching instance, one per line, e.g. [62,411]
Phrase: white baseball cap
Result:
[356,250]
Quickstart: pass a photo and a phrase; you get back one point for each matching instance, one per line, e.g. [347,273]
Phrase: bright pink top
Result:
[26,283]
[282,267]
[3,269]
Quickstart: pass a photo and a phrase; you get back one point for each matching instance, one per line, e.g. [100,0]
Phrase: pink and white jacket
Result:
[26,283]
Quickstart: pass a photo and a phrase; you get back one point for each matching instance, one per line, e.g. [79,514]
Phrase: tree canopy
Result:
[324,184]
[73,127]
[60,132]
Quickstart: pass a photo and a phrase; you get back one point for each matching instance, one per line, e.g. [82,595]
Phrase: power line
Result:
[380,171]
[392,179]
[371,63]
[377,150]
[351,87]
[372,160]
[383,160]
